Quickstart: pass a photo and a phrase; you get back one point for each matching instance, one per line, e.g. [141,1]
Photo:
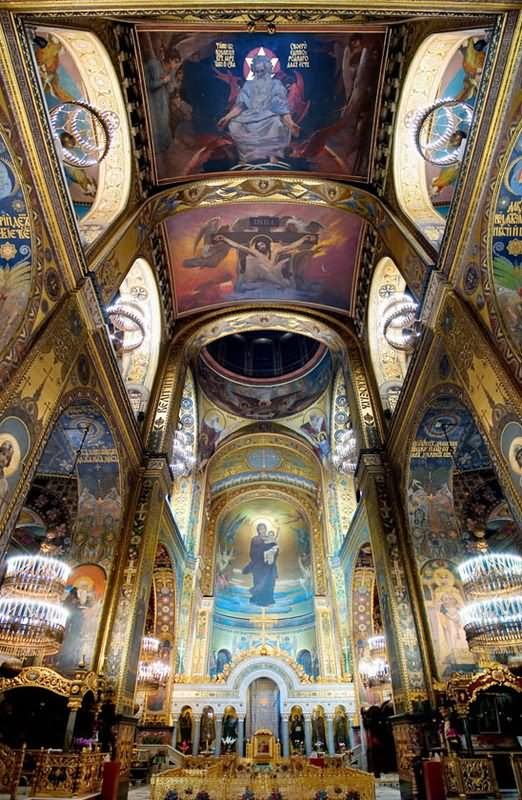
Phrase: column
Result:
[174,732]
[196,728]
[308,732]
[330,735]
[284,736]
[219,733]
[240,744]
[71,722]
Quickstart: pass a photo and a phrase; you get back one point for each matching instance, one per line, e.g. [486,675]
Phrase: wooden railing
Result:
[67,774]
[469,776]
[10,769]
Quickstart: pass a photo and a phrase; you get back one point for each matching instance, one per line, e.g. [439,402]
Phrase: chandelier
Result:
[183,459]
[152,674]
[32,618]
[150,646]
[374,671]
[492,619]
[129,322]
[344,457]
[400,326]
[85,133]
[439,130]
[377,645]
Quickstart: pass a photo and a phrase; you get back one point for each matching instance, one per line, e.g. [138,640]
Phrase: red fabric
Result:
[317,762]
[433,780]
[111,775]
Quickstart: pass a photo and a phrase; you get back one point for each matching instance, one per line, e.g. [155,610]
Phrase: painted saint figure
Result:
[263,566]
[260,122]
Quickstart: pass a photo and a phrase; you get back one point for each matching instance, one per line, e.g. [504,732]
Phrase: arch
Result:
[187,485]
[389,364]
[136,322]
[452,487]
[247,671]
[427,77]
[74,65]
[80,463]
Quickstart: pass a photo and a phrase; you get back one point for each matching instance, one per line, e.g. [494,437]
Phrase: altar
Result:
[234,778]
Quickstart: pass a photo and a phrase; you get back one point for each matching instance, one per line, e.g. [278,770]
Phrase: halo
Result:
[514,447]
[17,453]
[214,413]
[262,521]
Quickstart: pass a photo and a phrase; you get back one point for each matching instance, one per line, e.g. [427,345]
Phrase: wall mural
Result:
[73,510]
[267,399]
[15,443]
[62,83]
[15,247]
[289,101]
[445,507]
[312,423]
[263,582]
[460,82]
[257,251]
[506,246]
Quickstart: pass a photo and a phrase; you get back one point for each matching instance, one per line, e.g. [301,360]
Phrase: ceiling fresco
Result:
[276,251]
[250,101]
[267,400]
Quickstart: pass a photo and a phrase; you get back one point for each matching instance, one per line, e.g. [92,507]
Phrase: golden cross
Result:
[263,622]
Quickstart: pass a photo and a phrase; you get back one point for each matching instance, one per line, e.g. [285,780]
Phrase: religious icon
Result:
[263,565]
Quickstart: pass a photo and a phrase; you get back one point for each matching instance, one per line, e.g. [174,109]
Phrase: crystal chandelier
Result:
[492,619]
[344,457]
[85,133]
[400,326]
[128,321]
[32,618]
[183,459]
[150,646]
[374,671]
[377,645]
[152,674]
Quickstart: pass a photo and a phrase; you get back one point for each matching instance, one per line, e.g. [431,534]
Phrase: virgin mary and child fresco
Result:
[264,550]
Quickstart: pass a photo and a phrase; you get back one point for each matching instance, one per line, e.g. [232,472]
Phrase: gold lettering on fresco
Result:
[425,448]
[14,227]
[509,223]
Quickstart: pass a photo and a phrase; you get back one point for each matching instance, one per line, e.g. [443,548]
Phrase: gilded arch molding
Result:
[195,334]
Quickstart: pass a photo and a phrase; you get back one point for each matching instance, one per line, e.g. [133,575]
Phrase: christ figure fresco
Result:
[264,550]
[260,122]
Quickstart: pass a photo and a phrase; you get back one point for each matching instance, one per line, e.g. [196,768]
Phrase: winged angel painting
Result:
[272,251]
[253,101]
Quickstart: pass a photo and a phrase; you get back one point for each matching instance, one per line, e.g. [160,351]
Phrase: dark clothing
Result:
[263,574]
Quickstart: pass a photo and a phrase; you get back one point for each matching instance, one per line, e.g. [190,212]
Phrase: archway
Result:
[264,707]
[72,512]
[454,502]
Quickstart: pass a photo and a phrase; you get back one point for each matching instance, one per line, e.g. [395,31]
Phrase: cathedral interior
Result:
[260,409]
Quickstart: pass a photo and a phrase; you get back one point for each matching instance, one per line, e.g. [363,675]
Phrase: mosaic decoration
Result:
[263,251]
[506,245]
[186,489]
[263,583]
[288,101]
[15,246]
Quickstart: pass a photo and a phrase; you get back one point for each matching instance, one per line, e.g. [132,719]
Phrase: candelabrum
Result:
[32,618]
[492,619]
[374,671]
